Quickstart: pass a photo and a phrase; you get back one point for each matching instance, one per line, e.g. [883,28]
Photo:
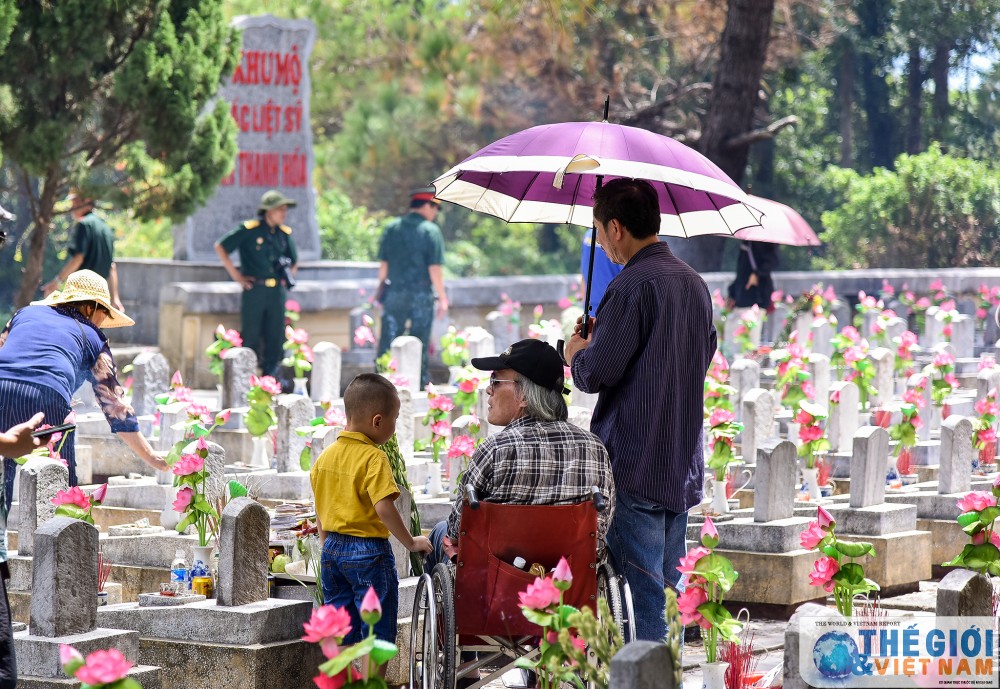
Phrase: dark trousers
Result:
[18,403]
[8,663]
[262,314]
[417,308]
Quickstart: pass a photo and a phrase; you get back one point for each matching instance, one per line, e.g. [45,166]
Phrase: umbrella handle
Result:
[590,281]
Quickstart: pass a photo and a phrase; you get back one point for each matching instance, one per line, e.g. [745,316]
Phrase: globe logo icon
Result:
[835,654]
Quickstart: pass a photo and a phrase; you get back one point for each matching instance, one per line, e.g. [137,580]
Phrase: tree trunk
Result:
[845,97]
[914,101]
[41,223]
[939,73]
[734,98]
[873,23]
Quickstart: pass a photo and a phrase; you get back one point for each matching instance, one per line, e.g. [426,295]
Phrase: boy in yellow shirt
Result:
[354,491]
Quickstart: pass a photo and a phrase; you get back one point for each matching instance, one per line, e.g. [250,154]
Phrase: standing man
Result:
[91,247]
[646,355]
[411,255]
[262,244]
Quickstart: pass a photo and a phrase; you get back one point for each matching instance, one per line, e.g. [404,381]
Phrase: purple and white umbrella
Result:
[548,174]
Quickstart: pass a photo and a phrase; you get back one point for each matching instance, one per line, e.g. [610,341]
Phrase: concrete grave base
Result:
[901,560]
[432,510]
[144,493]
[38,656]
[876,520]
[743,533]
[931,505]
[148,677]
[947,539]
[264,622]
[154,550]
[780,579]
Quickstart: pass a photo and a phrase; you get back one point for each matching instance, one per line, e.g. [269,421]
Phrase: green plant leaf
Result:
[980,556]
[718,569]
[237,489]
[989,515]
[188,520]
[71,511]
[383,651]
[305,458]
[854,549]
[346,657]
[542,619]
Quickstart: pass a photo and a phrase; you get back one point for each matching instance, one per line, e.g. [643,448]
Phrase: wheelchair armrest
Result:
[600,502]
[470,495]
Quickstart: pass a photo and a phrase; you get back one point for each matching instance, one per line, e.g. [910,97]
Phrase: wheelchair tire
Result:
[614,589]
[422,634]
[444,628]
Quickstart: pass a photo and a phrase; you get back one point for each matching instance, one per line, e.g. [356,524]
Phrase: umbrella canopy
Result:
[781,225]
[549,173]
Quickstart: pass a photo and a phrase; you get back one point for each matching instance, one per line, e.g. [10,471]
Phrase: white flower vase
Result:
[454,373]
[720,503]
[713,675]
[218,389]
[793,431]
[434,486]
[259,459]
[168,518]
[301,386]
[203,553]
[810,482]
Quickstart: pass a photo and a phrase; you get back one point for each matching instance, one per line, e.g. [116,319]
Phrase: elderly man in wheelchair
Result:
[540,489]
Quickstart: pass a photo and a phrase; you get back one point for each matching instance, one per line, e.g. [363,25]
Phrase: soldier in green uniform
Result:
[411,255]
[91,247]
[261,243]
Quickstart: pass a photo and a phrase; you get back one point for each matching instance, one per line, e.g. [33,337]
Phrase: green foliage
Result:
[933,211]
[347,232]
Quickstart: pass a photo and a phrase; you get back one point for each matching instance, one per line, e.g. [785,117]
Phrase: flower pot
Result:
[882,417]
[204,554]
[904,462]
[909,479]
[434,487]
[988,454]
[102,598]
[168,518]
[301,386]
[720,502]
[713,675]
[945,411]
[810,483]
[259,459]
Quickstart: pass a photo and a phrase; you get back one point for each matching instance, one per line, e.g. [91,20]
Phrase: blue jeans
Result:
[646,543]
[350,564]
[437,555]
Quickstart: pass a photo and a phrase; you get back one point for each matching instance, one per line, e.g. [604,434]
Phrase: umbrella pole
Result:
[590,268]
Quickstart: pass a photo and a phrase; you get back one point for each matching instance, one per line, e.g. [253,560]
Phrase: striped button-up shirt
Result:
[651,346]
[532,462]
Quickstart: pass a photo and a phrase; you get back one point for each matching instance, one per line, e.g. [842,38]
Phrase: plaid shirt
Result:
[532,462]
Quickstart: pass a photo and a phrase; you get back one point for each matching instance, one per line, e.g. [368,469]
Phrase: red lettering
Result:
[253,75]
[294,169]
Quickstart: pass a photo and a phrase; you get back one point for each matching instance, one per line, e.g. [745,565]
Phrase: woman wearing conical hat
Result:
[48,350]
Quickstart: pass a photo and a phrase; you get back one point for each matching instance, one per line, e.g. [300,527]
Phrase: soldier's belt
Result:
[270,282]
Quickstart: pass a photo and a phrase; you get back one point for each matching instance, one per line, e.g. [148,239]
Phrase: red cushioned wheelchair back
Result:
[486,581]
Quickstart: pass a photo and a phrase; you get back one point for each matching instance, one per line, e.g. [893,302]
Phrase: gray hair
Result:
[542,403]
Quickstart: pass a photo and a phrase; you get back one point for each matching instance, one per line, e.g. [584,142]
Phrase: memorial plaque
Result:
[268,95]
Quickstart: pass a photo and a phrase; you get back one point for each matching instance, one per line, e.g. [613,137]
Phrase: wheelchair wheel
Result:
[612,587]
[423,609]
[442,651]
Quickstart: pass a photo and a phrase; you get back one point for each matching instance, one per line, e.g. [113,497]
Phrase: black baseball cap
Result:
[535,360]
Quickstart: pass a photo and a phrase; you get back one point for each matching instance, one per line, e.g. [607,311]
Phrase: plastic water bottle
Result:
[179,569]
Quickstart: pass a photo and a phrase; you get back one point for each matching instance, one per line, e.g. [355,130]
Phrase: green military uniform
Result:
[410,245]
[95,241]
[262,309]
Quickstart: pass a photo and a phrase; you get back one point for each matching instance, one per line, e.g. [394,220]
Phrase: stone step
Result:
[148,677]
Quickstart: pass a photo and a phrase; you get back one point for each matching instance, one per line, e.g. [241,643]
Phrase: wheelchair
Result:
[466,616]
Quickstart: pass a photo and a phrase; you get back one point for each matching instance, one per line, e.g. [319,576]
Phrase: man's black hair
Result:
[369,394]
[632,202]
[420,203]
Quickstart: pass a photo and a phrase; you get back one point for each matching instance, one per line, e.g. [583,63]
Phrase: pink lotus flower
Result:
[987,435]
[720,416]
[824,518]
[937,285]
[808,390]
[188,464]
[565,303]
[327,627]
[363,335]
[948,305]
[691,559]
[982,313]
[802,417]
[334,417]
[222,417]
[296,335]
[812,536]
[951,379]
[829,294]
[538,311]
[104,667]
[461,446]
[469,385]
[293,306]
[942,359]
[540,594]
[687,604]
[976,501]
[371,607]
[887,289]
[184,497]
[853,354]
[908,339]
[708,529]
[99,494]
[562,572]
[578,643]
[980,538]
[947,330]
[441,429]
[269,385]
[441,403]
[987,362]
[923,303]
[808,434]
[835,397]
[740,331]
[914,396]
[68,654]
[176,380]
[822,573]
[73,496]
[851,333]
[233,337]
[199,412]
